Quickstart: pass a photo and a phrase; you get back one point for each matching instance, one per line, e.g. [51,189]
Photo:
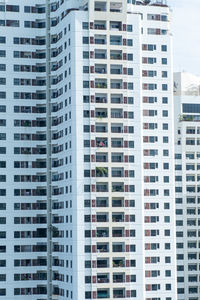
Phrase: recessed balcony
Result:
[116,69]
[100,69]
[117,143]
[117,128]
[118,217]
[101,142]
[100,54]
[117,172]
[101,98]
[118,277]
[102,217]
[115,40]
[101,157]
[102,232]
[116,99]
[103,278]
[116,54]
[115,26]
[100,6]
[101,113]
[101,127]
[117,202]
[118,262]
[101,202]
[118,232]
[118,293]
[100,25]
[103,263]
[101,84]
[103,294]
[118,247]
[101,172]
[103,247]
[100,39]
[117,157]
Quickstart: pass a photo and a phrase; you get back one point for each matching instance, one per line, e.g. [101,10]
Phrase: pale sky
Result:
[186,32]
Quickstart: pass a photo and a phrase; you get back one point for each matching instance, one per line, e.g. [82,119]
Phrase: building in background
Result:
[187,176]
[86,154]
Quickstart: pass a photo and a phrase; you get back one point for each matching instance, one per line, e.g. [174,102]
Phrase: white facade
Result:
[113,221]
[187,154]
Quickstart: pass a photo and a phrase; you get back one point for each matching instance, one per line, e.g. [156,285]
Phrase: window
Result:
[2,39]
[85,84]
[164,61]
[129,28]
[165,126]
[85,25]
[2,53]
[164,87]
[165,113]
[86,69]
[85,40]
[164,48]
[85,54]
[86,99]
[165,139]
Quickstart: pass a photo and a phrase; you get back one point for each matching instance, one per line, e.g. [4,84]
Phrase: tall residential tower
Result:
[187,168]
[86,154]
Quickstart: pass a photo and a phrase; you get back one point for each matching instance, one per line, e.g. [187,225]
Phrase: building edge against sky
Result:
[112,137]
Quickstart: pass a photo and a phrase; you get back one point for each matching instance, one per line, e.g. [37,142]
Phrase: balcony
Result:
[101,127]
[116,7]
[100,6]
[118,277]
[118,172]
[117,128]
[101,98]
[101,84]
[102,232]
[117,217]
[101,172]
[103,278]
[117,187]
[116,143]
[100,25]
[117,157]
[116,113]
[115,40]
[100,39]
[100,54]
[117,202]
[103,263]
[118,262]
[116,54]
[102,247]
[116,84]
[116,69]
[101,113]
[101,202]
[116,99]
[118,232]
[118,247]
[115,26]
[101,142]
[100,69]
[103,294]
[101,157]
[119,293]
[102,217]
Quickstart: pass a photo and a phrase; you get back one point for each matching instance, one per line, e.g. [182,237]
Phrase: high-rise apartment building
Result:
[187,171]
[86,153]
